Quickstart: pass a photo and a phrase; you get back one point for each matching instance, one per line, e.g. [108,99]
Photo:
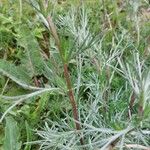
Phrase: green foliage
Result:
[32,60]
[12,135]
[29,136]
[14,72]
[105,44]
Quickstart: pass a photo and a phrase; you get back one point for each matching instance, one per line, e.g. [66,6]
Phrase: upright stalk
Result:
[71,95]
[66,75]
[141,102]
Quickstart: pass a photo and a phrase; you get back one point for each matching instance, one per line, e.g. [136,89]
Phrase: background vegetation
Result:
[74,74]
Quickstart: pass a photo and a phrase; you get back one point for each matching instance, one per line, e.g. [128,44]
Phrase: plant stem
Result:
[141,101]
[71,95]
[66,75]
[72,99]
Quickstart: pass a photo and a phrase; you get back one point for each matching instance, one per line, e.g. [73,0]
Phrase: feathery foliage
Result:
[78,72]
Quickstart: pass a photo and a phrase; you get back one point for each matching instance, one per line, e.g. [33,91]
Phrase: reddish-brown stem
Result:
[141,111]
[141,108]
[72,99]
[71,96]
[36,82]
[66,75]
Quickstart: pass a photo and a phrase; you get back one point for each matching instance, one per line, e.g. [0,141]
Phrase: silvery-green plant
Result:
[100,114]
[95,132]
[138,77]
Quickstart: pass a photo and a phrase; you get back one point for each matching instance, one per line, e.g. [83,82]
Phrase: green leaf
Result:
[29,136]
[15,73]
[11,140]
[32,60]
[38,32]
[5,20]
[42,104]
